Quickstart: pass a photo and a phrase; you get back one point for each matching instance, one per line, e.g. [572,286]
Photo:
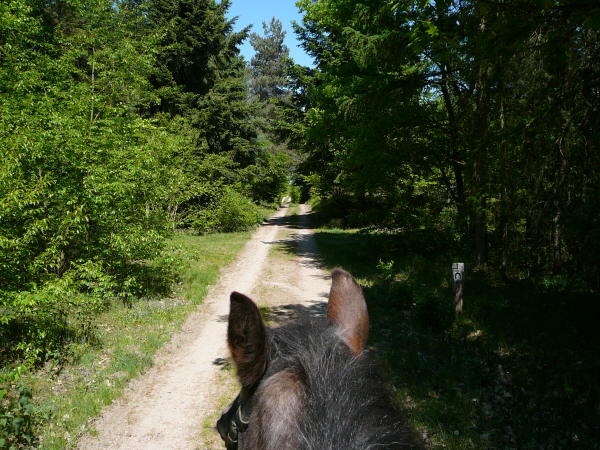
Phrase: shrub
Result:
[268,178]
[312,186]
[16,418]
[231,212]
[295,193]
[37,325]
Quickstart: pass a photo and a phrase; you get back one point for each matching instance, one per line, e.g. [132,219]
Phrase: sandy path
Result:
[164,408]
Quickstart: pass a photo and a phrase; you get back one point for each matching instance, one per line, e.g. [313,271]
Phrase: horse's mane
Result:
[347,403]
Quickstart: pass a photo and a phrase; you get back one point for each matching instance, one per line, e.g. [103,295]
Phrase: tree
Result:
[270,63]
[117,120]
[195,43]
[482,106]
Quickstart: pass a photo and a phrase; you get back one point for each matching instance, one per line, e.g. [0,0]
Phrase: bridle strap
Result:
[238,421]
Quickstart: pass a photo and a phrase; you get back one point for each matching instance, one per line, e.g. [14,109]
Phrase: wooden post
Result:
[458,281]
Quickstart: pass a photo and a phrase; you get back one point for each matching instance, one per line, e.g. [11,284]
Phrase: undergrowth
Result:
[518,369]
[229,212]
[88,361]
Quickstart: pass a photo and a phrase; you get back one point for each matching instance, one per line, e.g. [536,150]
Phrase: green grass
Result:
[228,387]
[127,337]
[519,369]
[204,256]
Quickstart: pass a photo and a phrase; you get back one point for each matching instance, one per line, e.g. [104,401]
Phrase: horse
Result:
[309,384]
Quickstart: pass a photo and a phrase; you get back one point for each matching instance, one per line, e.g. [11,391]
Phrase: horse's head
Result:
[303,385]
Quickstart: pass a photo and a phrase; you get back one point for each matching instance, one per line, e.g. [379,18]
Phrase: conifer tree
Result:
[197,42]
[270,63]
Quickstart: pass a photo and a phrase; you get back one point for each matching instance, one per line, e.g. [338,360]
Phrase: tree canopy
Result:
[119,121]
[472,116]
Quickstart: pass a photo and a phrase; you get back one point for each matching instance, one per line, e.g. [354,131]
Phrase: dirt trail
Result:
[165,407]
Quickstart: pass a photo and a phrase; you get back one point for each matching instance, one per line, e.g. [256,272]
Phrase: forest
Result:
[465,128]
[120,122]
[478,117]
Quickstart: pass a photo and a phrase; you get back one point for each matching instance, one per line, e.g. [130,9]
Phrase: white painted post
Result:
[458,282]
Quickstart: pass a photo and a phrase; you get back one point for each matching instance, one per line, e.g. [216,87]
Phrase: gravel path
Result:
[165,407]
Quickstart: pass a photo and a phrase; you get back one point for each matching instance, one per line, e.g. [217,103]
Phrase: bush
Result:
[295,193]
[312,187]
[267,179]
[231,212]
[16,418]
[38,324]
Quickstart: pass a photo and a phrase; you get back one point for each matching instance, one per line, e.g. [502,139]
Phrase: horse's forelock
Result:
[317,395]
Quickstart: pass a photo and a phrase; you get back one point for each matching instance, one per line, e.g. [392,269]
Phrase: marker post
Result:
[458,282]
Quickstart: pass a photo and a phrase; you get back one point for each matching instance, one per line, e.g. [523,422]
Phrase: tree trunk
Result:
[479,158]
[455,160]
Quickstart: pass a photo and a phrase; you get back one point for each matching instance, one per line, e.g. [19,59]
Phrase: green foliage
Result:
[118,121]
[38,324]
[231,212]
[16,411]
[268,178]
[272,95]
[386,270]
[473,117]
[224,116]
[295,193]
[269,64]
[79,182]
[194,41]
[312,187]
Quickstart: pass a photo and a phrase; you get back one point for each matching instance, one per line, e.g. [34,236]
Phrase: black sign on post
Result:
[458,282]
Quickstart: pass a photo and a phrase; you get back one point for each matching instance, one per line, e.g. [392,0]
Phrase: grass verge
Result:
[66,398]
[518,369]
[228,386]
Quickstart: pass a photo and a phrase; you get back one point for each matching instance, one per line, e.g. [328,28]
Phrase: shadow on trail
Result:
[301,244]
[282,314]
[293,221]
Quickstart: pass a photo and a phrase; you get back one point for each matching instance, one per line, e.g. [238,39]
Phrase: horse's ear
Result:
[247,339]
[347,310]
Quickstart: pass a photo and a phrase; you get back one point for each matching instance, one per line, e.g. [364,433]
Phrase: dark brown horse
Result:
[309,385]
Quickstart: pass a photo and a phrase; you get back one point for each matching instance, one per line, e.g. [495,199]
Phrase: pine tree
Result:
[270,63]
[197,42]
